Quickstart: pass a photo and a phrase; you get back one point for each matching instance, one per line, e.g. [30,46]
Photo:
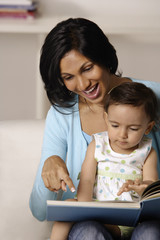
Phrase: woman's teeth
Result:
[90,90]
[93,92]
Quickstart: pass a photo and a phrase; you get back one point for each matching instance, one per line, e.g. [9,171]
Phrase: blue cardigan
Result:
[63,137]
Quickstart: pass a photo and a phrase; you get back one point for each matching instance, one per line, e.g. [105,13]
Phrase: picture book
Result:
[111,212]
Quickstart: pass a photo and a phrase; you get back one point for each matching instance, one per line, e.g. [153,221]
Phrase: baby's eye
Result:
[134,129]
[114,125]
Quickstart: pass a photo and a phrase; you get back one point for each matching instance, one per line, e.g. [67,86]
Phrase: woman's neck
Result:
[91,117]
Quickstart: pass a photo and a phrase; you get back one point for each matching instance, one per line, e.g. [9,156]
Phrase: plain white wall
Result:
[138,53]
[103,8]
[17,76]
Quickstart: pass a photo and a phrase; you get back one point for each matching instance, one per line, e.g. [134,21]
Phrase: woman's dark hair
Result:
[79,34]
[135,94]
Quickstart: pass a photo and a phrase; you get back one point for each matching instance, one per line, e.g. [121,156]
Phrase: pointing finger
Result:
[68,181]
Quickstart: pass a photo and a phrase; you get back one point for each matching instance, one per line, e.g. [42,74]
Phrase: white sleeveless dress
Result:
[113,169]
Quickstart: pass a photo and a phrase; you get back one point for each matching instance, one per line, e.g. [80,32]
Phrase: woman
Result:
[78,66]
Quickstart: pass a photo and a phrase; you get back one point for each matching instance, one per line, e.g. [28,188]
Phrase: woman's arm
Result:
[54,144]
[88,173]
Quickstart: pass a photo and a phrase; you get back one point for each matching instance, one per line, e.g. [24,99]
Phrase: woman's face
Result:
[83,77]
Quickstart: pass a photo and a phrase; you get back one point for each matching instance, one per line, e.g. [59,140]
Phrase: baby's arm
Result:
[88,174]
[87,180]
[150,175]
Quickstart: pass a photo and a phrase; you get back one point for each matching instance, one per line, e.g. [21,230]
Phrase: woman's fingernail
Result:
[73,189]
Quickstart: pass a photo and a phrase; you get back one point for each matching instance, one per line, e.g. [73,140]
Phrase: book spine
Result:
[16,2]
[21,6]
[17,15]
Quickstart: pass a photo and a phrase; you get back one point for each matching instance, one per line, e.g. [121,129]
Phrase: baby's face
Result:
[126,126]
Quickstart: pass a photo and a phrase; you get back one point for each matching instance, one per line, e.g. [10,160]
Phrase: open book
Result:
[111,212]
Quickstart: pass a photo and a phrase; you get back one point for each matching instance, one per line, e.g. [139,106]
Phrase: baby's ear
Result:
[149,128]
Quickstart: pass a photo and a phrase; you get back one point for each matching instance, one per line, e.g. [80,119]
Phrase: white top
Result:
[114,168]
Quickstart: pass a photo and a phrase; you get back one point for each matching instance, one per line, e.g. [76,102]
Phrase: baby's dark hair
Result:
[135,94]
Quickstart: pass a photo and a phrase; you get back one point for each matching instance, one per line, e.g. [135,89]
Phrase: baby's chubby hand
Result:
[137,185]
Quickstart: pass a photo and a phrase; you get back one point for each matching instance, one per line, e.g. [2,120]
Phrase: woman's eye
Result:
[88,68]
[66,78]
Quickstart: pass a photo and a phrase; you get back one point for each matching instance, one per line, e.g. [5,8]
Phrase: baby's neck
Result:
[117,149]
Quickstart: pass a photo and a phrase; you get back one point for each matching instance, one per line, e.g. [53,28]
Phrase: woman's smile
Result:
[93,92]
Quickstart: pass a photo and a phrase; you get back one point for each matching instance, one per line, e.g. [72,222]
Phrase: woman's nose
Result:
[82,83]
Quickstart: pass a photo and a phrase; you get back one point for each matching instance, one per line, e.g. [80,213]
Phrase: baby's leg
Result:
[60,230]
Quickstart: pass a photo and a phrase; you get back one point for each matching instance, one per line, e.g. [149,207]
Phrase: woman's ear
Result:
[149,128]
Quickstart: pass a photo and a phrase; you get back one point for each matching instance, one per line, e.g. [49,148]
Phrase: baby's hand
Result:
[138,186]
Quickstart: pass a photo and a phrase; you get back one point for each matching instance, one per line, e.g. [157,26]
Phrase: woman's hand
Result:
[55,175]
[138,186]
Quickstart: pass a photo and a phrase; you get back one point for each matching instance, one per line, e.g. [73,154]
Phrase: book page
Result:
[96,204]
[152,189]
